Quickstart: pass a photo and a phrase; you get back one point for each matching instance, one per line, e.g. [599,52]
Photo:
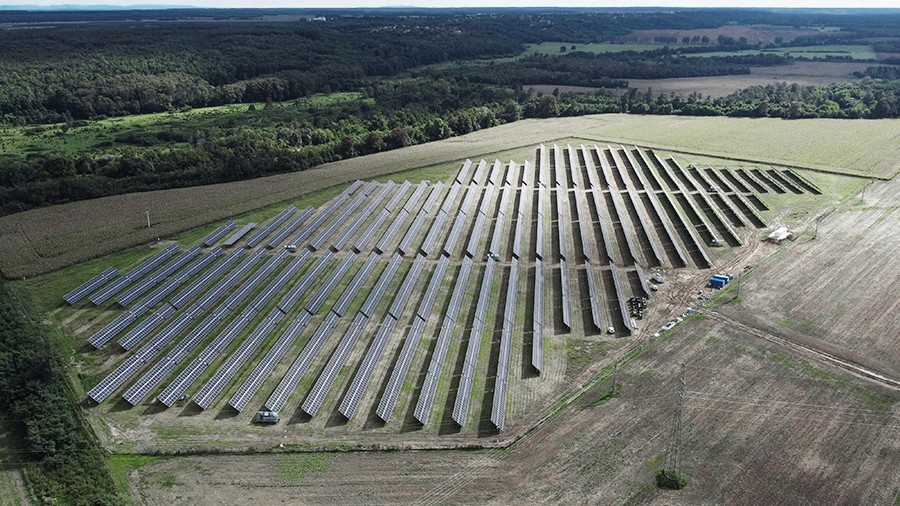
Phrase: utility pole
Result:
[148,219]
[672,457]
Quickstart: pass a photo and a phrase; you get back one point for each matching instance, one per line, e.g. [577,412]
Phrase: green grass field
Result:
[596,48]
[856,52]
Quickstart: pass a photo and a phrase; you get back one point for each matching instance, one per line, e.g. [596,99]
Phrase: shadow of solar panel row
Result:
[434,286]
[340,220]
[90,285]
[135,362]
[434,232]
[290,380]
[426,396]
[537,338]
[359,279]
[316,302]
[401,367]
[392,231]
[455,232]
[309,277]
[361,217]
[620,297]
[498,408]
[128,296]
[264,368]
[143,329]
[224,374]
[464,392]
[177,387]
[381,286]
[494,171]
[199,284]
[475,238]
[406,289]
[406,244]
[450,199]
[270,226]
[290,227]
[594,296]
[237,236]
[566,304]
[392,204]
[219,233]
[361,379]
[180,277]
[478,176]
[119,284]
[563,227]
[462,176]
[111,330]
[325,380]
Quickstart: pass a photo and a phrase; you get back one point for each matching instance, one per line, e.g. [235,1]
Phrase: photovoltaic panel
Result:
[468,203]
[265,367]
[455,232]
[433,197]
[143,329]
[340,220]
[620,297]
[280,396]
[406,289]
[346,298]
[270,226]
[361,217]
[450,199]
[494,173]
[392,231]
[410,205]
[406,244]
[537,342]
[594,296]
[462,176]
[119,284]
[478,176]
[206,278]
[564,298]
[498,408]
[475,238]
[464,392]
[219,233]
[370,231]
[361,380]
[90,285]
[317,395]
[180,277]
[128,296]
[434,286]
[401,367]
[237,236]
[436,228]
[292,225]
[381,286]
[392,204]
[316,302]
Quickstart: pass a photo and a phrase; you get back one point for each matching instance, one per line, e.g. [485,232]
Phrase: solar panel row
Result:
[472,193]
[346,298]
[563,226]
[455,232]
[542,223]
[227,370]
[478,176]
[380,287]
[361,380]
[464,392]
[279,397]
[406,289]
[361,217]
[397,196]
[237,236]
[450,199]
[436,228]
[325,381]
[410,205]
[392,231]
[594,296]
[171,284]
[406,244]
[620,297]
[462,176]
[434,286]
[494,172]
[433,197]
[90,285]
[270,226]
[566,306]
[338,221]
[135,362]
[370,232]
[265,366]
[135,291]
[401,367]
[291,226]
[219,233]
[426,397]
[519,230]
[143,329]
[324,291]
[199,284]
[584,226]
[537,337]
[308,278]
[498,408]
[475,238]
[119,284]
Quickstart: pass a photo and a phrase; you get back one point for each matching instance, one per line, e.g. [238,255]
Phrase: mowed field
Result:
[48,239]
[759,427]
[837,292]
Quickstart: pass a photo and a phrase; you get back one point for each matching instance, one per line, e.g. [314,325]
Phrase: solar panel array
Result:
[90,285]
[498,408]
[464,392]
[119,284]
[426,396]
[270,226]
[218,233]
[184,338]
[237,236]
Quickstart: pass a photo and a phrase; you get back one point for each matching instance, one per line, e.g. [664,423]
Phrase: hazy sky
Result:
[473,3]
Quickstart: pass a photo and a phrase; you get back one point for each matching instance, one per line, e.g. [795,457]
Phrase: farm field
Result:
[854,52]
[44,240]
[855,255]
[751,413]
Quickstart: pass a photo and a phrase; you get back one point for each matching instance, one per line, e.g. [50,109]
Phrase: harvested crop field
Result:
[837,292]
[753,417]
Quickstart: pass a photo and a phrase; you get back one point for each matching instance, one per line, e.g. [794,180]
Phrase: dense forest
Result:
[406,77]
